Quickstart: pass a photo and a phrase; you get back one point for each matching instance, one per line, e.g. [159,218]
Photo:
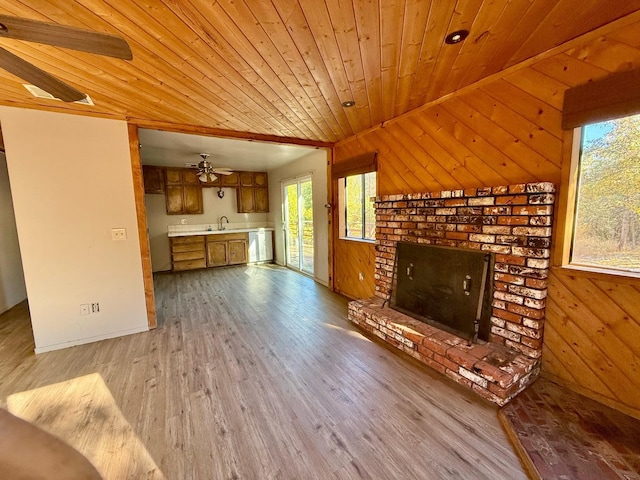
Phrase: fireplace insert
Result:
[450,288]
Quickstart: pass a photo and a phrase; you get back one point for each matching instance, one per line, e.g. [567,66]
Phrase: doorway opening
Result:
[298,224]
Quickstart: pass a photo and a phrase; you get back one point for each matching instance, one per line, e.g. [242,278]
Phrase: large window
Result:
[357,214]
[607,213]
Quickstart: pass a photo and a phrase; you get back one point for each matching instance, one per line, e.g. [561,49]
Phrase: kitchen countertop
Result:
[218,232]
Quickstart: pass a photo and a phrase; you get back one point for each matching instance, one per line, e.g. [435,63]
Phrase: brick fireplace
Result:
[512,222]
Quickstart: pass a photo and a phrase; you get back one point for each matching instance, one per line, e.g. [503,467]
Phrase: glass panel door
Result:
[298,224]
[306,220]
[291,226]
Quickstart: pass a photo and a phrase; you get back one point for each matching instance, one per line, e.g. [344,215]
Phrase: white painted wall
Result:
[71,183]
[12,287]
[315,164]
[213,208]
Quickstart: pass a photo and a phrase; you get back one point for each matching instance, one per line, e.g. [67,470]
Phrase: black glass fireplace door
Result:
[447,287]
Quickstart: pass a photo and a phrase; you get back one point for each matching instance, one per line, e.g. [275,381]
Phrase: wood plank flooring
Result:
[255,373]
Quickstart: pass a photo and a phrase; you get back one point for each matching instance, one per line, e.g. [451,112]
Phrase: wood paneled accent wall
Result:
[508,130]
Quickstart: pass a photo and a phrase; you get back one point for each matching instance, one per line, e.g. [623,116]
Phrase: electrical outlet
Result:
[84,309]
[118,234]
[183,221]
[361,276]
[95,307]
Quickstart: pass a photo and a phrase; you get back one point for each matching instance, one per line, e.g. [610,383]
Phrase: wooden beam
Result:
[614,96]
[143,235]
[217,132]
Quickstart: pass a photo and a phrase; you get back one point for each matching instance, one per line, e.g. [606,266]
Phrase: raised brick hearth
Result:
[514,222]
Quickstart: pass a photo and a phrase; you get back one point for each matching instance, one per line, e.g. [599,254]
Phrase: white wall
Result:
[71,183]
[315,164]
[12,287]
[213,208]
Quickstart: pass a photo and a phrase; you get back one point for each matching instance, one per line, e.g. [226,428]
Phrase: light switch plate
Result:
[118,234]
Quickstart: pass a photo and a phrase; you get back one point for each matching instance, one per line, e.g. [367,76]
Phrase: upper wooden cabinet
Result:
[183,189]
[232,180]
[260,179]
[253,194]
[246,200]
[190,177]
[153,179]
[183,192]
[262,199]
[173,176]
[246,179]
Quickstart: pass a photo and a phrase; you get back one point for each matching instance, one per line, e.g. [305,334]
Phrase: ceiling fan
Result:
[207,172]
[58,36]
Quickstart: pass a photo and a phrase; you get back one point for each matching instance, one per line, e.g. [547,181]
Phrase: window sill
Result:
[598,273]
[359,240]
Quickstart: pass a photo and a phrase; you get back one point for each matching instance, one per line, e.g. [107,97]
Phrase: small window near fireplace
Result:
[356,195]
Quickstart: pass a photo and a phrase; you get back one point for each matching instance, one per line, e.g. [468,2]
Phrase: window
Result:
[357,213]
[606,230]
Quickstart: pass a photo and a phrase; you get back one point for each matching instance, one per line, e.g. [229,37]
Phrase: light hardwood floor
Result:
[255,373]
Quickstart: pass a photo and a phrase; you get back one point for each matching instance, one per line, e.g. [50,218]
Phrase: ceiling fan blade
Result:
[218,171]
[63,36]
[32,74]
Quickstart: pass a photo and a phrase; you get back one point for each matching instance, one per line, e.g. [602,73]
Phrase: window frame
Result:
[342,208]
[565,218]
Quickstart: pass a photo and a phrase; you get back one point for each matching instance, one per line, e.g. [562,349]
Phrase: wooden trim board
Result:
[141,213]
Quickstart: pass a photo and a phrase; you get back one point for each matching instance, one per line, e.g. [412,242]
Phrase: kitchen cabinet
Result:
[246,200]
[261,199]
[183,191]
[253,193]
[246,179]
[188,253]
[231,181]
[153,178]
[238,251]
[260,179]
[217,253]
[226,249]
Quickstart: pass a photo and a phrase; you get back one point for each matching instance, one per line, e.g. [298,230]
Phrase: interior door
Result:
[298,224]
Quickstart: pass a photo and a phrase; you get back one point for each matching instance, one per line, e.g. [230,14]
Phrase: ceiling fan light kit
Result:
[208,173]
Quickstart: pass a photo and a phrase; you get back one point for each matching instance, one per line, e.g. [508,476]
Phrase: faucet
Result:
[221,225]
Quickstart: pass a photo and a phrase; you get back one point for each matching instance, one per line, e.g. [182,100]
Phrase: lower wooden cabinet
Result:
[226,249]
[217,253]
[202,251]
[188,253]
[237,251]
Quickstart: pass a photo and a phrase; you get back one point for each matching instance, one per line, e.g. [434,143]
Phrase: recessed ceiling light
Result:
[348,103]
[456,37]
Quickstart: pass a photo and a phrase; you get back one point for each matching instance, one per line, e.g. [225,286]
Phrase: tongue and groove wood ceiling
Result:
[283,67]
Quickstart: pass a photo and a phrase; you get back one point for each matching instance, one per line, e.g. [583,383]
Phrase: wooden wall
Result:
[508,130]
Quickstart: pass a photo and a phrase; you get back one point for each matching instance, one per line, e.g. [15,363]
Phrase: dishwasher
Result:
[260,246]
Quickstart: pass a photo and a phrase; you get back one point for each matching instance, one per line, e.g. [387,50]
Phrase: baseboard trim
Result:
[83,341]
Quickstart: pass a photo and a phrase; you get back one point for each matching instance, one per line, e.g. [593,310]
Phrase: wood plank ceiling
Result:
[283,67]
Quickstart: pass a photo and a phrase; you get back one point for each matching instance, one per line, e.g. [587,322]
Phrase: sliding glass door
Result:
[298,224]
